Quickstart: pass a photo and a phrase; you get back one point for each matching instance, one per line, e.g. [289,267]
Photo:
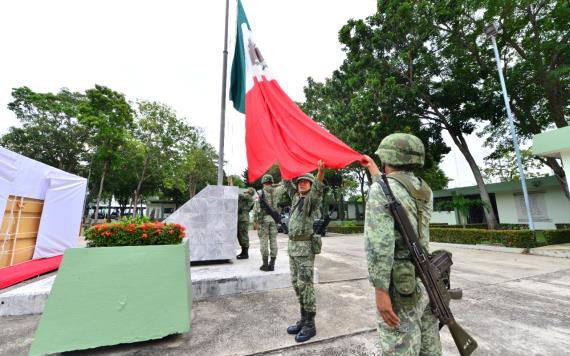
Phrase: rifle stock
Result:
[464,342]
[429,274]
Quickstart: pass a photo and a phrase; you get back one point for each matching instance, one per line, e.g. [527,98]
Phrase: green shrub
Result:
[507,238]
[126,233]
[560,236]
[346,229]
[562,226]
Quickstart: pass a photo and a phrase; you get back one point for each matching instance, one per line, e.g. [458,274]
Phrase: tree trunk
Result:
[459,140]
[109,208]
[105,166]
[559,173]
[141,180]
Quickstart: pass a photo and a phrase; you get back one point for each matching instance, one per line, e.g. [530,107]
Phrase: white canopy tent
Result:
[63,195]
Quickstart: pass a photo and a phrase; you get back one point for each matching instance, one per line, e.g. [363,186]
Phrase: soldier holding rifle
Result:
[412,299]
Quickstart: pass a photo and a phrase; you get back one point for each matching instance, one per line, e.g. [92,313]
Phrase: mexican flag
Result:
[276,130]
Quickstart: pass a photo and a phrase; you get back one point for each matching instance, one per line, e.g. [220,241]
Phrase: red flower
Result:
[144,236]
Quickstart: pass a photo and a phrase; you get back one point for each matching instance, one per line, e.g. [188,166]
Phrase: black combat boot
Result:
[309,329]
[271,264]
[243,255]
[295,328]
[264,266]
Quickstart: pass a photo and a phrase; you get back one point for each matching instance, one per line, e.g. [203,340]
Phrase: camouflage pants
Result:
[243,237]
[268,238]
[418,333]
[302,270]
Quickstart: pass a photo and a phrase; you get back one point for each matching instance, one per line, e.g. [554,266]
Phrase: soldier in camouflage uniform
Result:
[267,226]
[306,197]
[245,204]
[406,323]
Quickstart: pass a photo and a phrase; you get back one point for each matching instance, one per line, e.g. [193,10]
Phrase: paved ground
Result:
[513,305]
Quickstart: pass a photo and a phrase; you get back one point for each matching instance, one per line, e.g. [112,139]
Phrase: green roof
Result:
[550,143]
[533,184]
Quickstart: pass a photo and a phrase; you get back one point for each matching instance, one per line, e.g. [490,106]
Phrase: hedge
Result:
[125,233]
[481,226]
[508,238]
[346,229]
[554,237]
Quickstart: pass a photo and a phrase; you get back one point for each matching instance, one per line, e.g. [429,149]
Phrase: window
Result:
[537,207]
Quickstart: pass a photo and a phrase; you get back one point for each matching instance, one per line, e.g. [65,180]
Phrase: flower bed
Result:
[128,233]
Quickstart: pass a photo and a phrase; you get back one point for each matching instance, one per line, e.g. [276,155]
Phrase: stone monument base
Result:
[208,281]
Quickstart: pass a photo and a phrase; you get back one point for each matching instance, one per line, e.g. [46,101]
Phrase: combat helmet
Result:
[267,178]
[401,149]
[306,176]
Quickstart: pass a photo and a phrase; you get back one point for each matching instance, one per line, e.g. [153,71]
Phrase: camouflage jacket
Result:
[384,244]
[245,204]
[272,196]
[303,212]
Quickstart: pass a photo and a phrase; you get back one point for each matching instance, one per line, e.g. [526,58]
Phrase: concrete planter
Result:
[112,295]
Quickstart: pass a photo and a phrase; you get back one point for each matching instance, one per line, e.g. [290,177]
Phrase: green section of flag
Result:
[112,295]
[237,83]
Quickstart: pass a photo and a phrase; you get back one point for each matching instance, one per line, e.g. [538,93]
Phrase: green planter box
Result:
[112,295]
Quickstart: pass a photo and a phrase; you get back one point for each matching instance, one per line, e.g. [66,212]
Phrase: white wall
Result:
[557,209]
[444,217]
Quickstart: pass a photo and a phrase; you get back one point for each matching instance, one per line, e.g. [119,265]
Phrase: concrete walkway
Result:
[561,250]
[513,304]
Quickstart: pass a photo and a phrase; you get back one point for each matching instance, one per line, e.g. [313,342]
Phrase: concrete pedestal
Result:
[208,281]
[210,219]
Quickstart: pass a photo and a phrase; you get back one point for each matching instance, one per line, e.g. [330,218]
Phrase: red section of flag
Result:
[26,270]
[278,131]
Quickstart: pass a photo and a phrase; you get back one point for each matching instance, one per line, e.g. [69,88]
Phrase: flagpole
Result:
[223,108]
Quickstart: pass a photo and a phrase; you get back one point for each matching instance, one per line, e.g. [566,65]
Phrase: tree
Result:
[195,168]
[160,134]
[274,171]
[109,118]
[50,131]
[501,166]
[535,50]
[402,73]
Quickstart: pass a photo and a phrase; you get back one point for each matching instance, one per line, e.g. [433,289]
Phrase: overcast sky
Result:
[171,52]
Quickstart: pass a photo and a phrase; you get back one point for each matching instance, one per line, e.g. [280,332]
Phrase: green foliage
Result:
[108,117]
[50,132]
[237,181]
[346,229]
[127,153]
[435,177]
[507,238]
[274,171]
[135,232]
[501,166]
[560,236]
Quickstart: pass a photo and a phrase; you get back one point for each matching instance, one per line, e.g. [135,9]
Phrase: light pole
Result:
[491,31]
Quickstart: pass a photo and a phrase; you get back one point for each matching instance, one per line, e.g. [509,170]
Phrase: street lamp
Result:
[491,31]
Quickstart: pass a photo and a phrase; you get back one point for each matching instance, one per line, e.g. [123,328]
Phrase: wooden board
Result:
[19,230]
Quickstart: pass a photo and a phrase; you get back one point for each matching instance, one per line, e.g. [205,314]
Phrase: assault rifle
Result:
[431,276]
[274,213]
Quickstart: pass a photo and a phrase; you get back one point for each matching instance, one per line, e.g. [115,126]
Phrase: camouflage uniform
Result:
[301,248]
[267,226]
[245,204]
[389,263]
